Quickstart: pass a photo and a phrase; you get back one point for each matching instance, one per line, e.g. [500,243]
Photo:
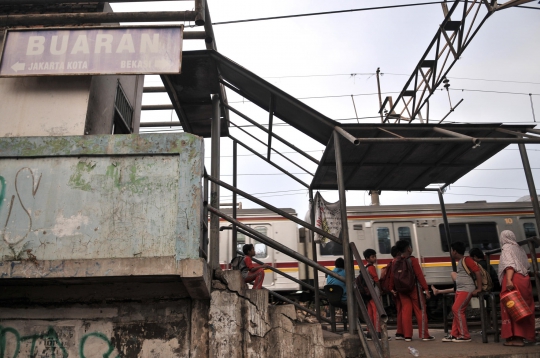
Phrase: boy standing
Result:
[371,257]
[465,289]
[410,299]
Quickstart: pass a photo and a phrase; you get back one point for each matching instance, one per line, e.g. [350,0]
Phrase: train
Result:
[476,223]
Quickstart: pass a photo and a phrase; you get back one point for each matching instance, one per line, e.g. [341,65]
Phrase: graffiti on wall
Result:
[51,344]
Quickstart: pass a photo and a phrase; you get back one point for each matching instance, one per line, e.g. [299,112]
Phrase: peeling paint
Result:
[68,226]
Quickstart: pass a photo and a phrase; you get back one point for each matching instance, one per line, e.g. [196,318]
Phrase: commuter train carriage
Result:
[478,224]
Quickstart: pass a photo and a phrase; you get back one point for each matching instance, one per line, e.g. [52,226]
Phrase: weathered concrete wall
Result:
[242,324]
[100,197]
[43,106]
[129,330]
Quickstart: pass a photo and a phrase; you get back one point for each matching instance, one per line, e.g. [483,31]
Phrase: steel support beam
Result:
[447,230]
[214,188]
[347,255]
[314,254]
[531,186]
[95,18]
[234,198]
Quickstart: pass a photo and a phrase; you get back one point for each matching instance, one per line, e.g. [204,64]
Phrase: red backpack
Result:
[404,277]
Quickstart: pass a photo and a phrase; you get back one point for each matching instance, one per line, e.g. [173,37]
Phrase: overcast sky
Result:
[323,60]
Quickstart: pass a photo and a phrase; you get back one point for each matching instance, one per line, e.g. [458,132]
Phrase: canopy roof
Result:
[399,164]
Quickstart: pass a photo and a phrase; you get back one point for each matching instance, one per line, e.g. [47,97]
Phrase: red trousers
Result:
[523,328]
[410,302]
[373,315]
[459,325]
[257,276]
[399,321]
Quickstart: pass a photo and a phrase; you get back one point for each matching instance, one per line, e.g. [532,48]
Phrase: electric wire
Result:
[325,13]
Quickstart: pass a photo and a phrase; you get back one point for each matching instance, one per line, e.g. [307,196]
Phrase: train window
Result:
[404,233]
[383,237]
[458,232]
[240,241]
[261,250]
[331,248]
[530,230]
[484,236]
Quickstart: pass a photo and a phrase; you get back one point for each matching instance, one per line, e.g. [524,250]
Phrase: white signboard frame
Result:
[91,50]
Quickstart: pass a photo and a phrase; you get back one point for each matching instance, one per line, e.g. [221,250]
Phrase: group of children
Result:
[404,280]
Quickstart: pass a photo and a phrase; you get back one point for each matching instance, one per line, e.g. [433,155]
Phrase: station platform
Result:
[476,348]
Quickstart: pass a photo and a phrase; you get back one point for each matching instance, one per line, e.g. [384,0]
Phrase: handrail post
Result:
[447,229]
[349,262]
[214,191]
[314,258]
[234,231]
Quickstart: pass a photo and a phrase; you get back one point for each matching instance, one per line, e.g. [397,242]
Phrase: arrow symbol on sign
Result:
[18,66]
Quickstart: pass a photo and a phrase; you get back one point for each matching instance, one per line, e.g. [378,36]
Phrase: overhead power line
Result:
[325,13]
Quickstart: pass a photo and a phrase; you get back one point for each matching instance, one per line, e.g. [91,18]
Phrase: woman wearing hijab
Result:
[513,274]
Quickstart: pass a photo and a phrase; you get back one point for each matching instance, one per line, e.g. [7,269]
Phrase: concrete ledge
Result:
[194,273]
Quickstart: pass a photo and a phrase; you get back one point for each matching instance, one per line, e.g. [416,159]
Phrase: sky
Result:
[323,60]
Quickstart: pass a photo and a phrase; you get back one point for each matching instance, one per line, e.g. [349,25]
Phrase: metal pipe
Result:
[380,98]
[536,209]
[371,329]
[295,304]
[314,254]
[292,146]
[275,245]
[154,89]
[447,230]
[279,272]
[95,18]
[475,141]
[447,140]
[204,243]
[530,183]
[534,261]
[277,152]
[270,162]
[201,13]
[157,107]
[347,135]
[214,191]
[270,122]
[160,124]
[210,40]
[235,184]
[276,210]
[349,262]
[365,274]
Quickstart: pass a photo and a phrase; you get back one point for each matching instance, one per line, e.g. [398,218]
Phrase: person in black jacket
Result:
[477,255]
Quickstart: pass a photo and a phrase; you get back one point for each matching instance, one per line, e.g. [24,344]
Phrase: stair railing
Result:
[381,345]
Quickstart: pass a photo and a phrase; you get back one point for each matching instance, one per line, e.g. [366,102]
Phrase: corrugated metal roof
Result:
[407,165]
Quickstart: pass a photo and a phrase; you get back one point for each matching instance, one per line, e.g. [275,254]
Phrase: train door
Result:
[387,234]
[263,252]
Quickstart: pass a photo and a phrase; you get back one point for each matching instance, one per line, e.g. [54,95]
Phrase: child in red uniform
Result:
[388,272]
[251,272]
[412,300]
[371,257]
[466,288]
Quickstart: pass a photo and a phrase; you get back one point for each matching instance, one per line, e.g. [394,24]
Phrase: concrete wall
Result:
[100,197]
[130,330]
[43,106]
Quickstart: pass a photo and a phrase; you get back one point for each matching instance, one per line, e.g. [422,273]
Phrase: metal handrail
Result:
[383,348]
[313,313]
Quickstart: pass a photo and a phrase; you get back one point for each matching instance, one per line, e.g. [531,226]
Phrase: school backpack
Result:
[487,283]
[404,277]
[385,278]
[237,262]
[363,286]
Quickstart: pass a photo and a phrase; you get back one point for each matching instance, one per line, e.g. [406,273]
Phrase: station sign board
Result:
[92,51]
